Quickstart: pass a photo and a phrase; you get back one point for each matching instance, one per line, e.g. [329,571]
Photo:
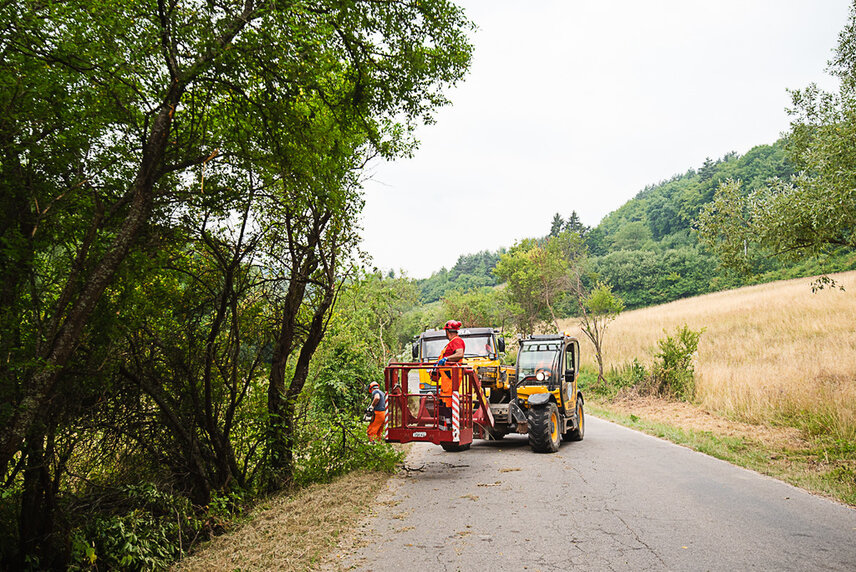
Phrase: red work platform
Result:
[444,415]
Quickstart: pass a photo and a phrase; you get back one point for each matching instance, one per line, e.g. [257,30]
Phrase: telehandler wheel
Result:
[544,436]
[578,433]
[454,447]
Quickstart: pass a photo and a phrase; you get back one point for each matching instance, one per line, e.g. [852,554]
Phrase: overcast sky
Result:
[578,105]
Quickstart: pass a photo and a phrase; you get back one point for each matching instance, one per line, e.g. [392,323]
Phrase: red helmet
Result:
[453,325]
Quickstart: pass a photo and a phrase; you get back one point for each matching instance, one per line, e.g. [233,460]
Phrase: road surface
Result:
[619,500]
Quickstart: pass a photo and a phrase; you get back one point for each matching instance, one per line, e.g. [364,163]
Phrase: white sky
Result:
[578,105]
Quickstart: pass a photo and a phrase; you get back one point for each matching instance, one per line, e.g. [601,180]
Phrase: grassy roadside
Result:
[820,465]
[291,532]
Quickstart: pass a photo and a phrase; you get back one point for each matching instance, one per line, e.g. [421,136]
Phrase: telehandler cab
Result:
[544,400]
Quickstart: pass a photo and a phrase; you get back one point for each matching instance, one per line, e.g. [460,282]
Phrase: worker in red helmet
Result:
[454,350]
[452,354]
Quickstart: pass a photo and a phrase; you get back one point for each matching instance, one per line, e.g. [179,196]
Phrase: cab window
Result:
[569,357]
[478,346]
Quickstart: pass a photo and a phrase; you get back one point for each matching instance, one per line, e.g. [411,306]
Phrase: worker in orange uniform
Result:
[378,410]
[453,353]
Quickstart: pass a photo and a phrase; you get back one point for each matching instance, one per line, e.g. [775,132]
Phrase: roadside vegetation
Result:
[179,240]
[772,353]
[292,532]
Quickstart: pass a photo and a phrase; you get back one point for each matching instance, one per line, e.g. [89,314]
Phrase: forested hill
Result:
[646,249]
[662,213]
[469,272]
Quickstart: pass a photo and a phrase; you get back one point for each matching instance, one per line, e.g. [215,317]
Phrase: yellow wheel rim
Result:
[554,421]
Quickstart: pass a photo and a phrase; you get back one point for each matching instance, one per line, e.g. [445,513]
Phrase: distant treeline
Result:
[647,249]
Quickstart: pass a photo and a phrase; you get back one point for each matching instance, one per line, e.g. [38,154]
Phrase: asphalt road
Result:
[619,500]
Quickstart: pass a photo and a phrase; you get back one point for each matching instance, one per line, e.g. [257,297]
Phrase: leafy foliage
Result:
[180,188]
[331,445]
[673,371]
[483,308]
[524,269]
[813,211]
[138,533]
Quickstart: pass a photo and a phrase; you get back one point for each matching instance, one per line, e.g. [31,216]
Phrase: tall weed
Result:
[673,372]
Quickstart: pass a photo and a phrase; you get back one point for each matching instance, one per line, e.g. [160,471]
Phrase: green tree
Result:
[483,308]
[194,353]
[520,269]
[596,306]
[575,225]
[815,210]
[557,225]
[632,236]
[371,309]
[597,309]
[367,326]
[124,126]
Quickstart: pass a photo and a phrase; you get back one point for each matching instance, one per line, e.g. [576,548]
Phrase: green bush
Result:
[141,531]
[673,372]
[587,383]
[632,374]
[332,445]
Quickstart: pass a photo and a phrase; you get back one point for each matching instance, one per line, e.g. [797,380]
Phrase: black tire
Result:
[496,434]
[544,436]
[454,447]
[580,432]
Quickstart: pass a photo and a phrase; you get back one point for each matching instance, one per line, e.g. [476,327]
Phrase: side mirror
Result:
[414,350]
[500,344]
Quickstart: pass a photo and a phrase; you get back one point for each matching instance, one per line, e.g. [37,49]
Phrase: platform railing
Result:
[444,414]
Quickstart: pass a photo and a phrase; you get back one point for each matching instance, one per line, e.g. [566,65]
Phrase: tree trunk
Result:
[284,441]
[36,521]
[278,445]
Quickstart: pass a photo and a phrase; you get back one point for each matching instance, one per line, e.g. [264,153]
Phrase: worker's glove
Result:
[442,361]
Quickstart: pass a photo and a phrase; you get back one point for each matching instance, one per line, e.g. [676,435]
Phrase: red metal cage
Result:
[444,415]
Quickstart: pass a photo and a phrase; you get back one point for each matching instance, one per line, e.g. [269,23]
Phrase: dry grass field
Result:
[772,353]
